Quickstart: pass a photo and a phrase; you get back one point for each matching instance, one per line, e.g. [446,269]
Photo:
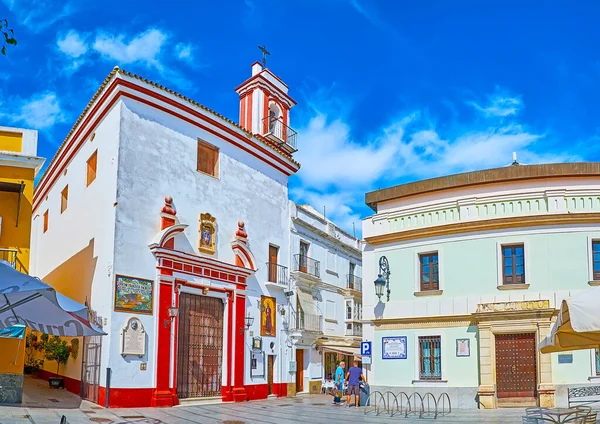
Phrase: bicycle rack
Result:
[428,399]
[391,400]
[374,403]
[416,400]
[442,400]
[404,407]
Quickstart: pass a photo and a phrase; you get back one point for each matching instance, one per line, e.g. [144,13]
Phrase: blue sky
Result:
[388,91]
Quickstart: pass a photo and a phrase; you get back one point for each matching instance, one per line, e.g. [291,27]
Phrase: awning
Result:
[355,351]
[307,302]
[14,332]
[578,324]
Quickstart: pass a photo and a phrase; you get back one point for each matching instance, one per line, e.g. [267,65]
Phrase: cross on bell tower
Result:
[265,53]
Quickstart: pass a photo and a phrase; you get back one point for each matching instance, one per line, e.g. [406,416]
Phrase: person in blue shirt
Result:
[339,381]
[354,377]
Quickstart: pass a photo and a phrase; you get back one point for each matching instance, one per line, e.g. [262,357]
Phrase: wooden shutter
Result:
[92,164]
[64,199]
[208,159]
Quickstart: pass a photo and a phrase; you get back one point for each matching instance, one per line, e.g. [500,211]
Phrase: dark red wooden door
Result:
[516,365]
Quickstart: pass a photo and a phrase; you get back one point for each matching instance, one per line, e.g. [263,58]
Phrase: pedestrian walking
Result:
[354,377]
[339,383]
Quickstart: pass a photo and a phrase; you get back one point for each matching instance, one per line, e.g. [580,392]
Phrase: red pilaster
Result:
[163,396]
[227,387]
[239,391]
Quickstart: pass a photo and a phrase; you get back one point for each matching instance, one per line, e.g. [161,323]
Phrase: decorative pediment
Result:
[207,229]
[243,255]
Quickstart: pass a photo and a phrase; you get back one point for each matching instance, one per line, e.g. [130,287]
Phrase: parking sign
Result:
[365,348]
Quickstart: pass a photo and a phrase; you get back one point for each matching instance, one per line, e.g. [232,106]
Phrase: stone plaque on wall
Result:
[133,338]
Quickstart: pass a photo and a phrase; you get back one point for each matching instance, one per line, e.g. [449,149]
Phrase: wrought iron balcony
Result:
[309,322]
[9,256]
[275,130]
[307,265]
[277,274]
[355,331]
[353,282]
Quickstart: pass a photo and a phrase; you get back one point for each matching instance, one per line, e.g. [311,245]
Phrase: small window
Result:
[64,199]
[348,309]
[513,264]
[357,312]
[430,358]
[92,164]
[596,259]
[429,271]
[597,355]
[45,221]
[208,159]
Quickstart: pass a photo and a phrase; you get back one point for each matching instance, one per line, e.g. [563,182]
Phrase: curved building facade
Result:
[479,263]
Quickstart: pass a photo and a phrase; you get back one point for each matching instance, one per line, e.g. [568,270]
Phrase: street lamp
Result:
[249,321]
[383,278]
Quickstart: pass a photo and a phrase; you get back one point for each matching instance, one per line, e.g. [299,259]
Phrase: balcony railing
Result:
[276,130]
[277,274]
[354,282]
[307,265]
[309,322]
[355,331]
[9,256]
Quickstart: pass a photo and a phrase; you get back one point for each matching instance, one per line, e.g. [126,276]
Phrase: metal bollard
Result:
[63,420]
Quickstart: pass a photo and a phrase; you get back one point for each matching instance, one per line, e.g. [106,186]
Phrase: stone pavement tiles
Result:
[314,409]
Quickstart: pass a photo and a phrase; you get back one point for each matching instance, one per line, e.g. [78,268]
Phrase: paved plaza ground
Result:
[44,405]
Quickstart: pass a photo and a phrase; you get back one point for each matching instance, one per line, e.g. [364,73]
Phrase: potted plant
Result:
[32,365]
[57,350]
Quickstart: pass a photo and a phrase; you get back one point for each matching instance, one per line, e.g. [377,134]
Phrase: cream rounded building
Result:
[478,264]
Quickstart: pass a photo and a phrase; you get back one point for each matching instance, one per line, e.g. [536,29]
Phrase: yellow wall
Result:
[11,142]
[12,356]
[13,237]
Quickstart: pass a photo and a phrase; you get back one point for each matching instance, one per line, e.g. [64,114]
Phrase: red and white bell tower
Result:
[265,108]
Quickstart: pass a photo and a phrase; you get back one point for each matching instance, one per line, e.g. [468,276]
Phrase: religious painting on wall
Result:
[393,347]
[207,229]
[133,294]
[267,316]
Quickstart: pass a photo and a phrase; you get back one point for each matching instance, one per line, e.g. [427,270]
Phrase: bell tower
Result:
[265,106]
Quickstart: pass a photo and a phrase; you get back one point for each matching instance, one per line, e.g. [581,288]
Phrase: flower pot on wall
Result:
[56,382]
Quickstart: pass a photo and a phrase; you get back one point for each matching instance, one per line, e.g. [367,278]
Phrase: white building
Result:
[479,263]
[149,194]
[326,281]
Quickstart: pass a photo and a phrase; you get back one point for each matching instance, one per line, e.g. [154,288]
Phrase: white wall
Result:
[157,158]
[85,231]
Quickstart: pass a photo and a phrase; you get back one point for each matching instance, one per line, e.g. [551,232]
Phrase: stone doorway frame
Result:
[533,316]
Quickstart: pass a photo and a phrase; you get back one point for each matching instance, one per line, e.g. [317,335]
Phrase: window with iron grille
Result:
[513,264]
[596,259]
[429,271]
[430,358]
[597,361]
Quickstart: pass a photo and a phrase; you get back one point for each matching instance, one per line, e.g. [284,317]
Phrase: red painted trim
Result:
[268,83]
[239,391]
[176,256]
[238,248]
[243,111]
[126,397]
[261,391]
[226,390]
[197,114]
[71,384]
[40,191]
[65,157]
[216,133]
[249,117]
[265,111]
[162,396]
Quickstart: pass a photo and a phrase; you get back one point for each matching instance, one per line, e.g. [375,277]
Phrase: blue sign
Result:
[393,347]
[565,358]
[365,348]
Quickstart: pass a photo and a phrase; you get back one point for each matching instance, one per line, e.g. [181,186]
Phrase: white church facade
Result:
[171,221]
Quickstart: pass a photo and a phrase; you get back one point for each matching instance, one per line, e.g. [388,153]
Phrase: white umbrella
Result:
[578,324]
[29,301]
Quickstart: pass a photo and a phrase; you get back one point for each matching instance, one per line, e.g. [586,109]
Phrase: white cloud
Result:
[38,16]
[40,111]
[337,169]
[184,52]
[72,44]
[143,48]
[499,105]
